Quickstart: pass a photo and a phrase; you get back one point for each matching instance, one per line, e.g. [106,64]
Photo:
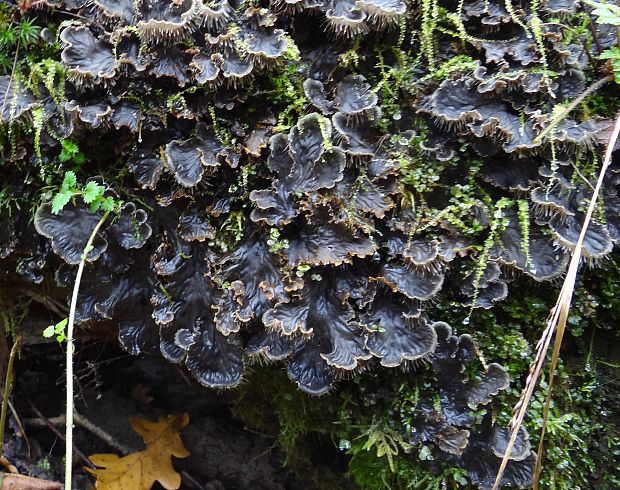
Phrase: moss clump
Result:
[365,417]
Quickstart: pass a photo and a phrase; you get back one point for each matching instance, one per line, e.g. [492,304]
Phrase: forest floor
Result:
[111,388]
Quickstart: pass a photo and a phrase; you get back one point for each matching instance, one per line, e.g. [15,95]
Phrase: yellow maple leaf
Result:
[139,471]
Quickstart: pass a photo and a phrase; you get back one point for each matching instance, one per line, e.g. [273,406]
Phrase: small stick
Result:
[100,433]
[7,392]
[5,463]
[578,100]
[189,478]
[85,424]
[70,348]
[21,427]
[556,323]
[594,36]
[44,422]
[10,481]
[49,424]
[566,306]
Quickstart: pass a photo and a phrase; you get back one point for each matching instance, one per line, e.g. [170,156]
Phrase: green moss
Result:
[230,232]
[221,133]
[370,473]
[287,95]
[13,311]
[458,65]
[300,425]
[583,441]
[365,416]
[419,174]
[275,242]
[396,67]
[605,103]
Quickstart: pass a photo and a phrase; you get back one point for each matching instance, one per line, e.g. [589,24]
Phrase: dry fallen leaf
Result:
[10,481]
[139,471]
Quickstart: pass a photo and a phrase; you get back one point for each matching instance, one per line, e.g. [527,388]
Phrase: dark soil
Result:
[112,387]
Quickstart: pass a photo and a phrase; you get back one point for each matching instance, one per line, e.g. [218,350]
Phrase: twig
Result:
[578,100]
[81,17]
[555,324]
[70,349]
[183,375]
[10,481]
[109,439]
[85,424]
[43,421]
[594,35]
[7,392]
[48,302]
[583,177]
[189,478]
[564,314]
[21,427]
[5,463]
[100,433]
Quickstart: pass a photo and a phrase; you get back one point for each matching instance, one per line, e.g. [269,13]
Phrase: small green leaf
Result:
[607,13]
[28,32]
[92,191]
[61,325]
[60,200]
[611,53]
[69,146]
[71,152]
[70,181]
[95,205]
[58,330]
[108,204]
[425,454]
[79,158]
[8,36]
